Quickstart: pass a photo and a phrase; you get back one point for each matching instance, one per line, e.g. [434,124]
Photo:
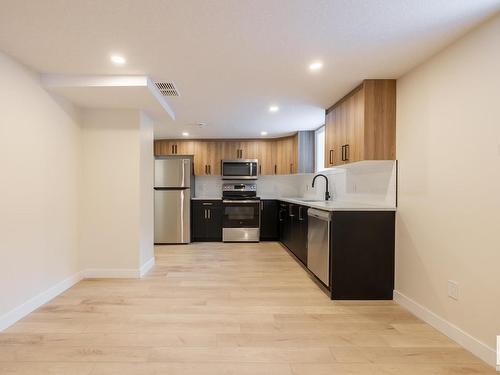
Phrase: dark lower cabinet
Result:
[269,225]
[206,220]
[362,255]
[293,229]
[361,250]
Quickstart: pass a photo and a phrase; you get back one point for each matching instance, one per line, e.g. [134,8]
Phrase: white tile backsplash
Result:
[371,182]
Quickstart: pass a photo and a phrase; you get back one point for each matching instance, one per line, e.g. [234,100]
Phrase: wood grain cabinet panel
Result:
[362,125]
[275,156]
[286,155]
[174,147]
[266,154]
[207,158]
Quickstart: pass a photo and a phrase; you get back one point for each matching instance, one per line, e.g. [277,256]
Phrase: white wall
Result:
[110,200]
[448,147]
[146,202]
[39,164]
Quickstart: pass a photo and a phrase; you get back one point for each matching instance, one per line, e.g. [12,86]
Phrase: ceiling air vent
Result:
[167,88]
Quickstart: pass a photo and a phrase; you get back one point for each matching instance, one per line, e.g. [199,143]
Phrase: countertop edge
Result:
[343,206]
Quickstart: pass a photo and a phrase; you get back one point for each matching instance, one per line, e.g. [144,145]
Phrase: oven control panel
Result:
[239,187]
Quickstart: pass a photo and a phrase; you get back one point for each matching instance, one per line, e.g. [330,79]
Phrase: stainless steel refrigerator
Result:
[172,185]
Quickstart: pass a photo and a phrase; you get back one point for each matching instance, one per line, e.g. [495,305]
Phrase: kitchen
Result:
[249,187]
[227,205]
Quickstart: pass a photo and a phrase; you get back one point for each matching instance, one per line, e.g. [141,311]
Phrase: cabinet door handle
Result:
[209,169]
[207,203]
[173,149]
[275,169]
[206,169]
[343,148]
[209,213]
[290,211]
[346,152]
[205,213]
[331,156]
[260,169]
[300,214]
[261,206]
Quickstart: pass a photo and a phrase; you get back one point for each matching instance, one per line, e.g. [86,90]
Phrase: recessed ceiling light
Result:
[185,134]
[263,133]
[315,66]
[118,60]
[274,108]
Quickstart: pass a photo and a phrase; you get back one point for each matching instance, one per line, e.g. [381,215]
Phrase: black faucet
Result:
[327,194]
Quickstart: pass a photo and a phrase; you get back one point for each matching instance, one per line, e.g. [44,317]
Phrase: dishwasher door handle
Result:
[319,214]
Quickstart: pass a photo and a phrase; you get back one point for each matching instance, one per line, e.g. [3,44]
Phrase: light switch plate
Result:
[453,289]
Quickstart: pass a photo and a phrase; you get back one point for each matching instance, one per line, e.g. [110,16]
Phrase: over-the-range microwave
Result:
[240,169]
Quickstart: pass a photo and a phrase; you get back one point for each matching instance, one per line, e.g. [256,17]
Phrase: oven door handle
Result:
[241,201]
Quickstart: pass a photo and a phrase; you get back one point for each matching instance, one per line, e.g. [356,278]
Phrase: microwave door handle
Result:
[251,168]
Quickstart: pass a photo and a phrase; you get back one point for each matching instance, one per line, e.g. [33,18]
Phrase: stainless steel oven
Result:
[241,213]
[242,169]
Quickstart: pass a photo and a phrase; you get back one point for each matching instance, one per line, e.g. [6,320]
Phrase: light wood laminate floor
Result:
[212,308]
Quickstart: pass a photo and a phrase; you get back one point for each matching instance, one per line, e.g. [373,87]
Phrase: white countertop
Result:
[338,205]
[322,205]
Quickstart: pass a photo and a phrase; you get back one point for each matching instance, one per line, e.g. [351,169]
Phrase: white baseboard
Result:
[147,266]
[32,304]
[111,273]
[464,339]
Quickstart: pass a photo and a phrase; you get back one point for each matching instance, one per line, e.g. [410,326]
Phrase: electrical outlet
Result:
[453,289]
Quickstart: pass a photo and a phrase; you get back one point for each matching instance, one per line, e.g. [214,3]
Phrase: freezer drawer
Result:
[172,216]
[318,244]
[172,173]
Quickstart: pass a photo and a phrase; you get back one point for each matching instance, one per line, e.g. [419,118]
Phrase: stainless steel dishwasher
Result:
[318,244]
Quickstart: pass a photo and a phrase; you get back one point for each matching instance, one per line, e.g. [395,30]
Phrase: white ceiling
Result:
[231,59]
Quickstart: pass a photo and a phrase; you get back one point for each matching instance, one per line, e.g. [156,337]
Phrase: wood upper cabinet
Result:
[286,155]
[362,125]
[207,158]
[239,149]
[174,147]
[267,157]
[275,156]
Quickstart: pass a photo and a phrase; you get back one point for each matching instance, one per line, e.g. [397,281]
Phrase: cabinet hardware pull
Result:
[205,213]
[260,169]
[209,169]
[343,148]
[346,152]
[175,149]
[209,213]
[207,203]
[300,214]
[290,211]
[275,169]
[331,156]
[172,149]
[206,169]
[261,206]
